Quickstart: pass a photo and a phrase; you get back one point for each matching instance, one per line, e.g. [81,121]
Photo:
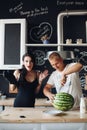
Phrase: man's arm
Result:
[47,92]
[74,68]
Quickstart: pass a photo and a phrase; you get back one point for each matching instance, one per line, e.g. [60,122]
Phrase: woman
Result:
[28,82]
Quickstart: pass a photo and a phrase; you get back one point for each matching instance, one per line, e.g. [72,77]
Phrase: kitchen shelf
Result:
[59,46]
[42,45]
[52,44]
[73,44]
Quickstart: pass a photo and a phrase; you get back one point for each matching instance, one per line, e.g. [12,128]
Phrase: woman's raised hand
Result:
[43,75]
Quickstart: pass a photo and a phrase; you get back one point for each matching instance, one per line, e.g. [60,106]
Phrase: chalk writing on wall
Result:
[37,32]
[39,57]
[35,12]
[16,8]
[85,69]
[84,57]
[82,79]
[68,3]
[19,9]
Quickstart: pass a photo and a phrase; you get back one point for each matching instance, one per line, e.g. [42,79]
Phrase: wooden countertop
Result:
[39,102]
[37,115]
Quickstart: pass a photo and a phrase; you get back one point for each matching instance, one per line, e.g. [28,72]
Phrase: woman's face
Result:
[28,63]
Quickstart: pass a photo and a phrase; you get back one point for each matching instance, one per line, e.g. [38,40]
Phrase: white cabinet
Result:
[64,126]
[43,126]
[12,43]
[60,25]
[18,126]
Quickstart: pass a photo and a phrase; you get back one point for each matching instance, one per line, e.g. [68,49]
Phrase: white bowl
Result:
[3,97]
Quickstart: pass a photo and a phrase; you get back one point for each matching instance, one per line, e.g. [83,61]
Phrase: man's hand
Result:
[63,80]
[51,96]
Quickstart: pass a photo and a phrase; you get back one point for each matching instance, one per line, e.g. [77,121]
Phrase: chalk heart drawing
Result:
[38,31]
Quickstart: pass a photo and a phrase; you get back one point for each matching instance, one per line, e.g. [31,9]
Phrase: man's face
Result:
[57,63]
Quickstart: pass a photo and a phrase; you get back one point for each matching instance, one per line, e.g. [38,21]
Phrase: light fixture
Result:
[66,55]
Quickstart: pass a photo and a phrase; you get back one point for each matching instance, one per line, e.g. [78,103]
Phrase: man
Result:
[65,78]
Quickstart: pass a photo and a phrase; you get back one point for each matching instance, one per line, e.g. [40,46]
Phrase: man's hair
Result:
[54,54]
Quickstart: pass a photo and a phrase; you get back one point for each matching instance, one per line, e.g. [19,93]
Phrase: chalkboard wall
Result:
[41,16]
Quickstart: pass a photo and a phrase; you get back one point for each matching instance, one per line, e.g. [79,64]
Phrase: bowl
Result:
[3,97]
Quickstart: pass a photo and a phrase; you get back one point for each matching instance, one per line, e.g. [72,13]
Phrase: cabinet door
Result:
[12,43]
[18,126]
[63,126]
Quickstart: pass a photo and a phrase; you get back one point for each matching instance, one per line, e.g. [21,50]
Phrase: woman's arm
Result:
[16,74]
[41,76]
[12,87]
[9,75]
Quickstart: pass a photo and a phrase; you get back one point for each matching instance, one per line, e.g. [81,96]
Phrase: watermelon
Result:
[63,101]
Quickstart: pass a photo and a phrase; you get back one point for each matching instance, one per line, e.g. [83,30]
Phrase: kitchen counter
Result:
[7,102]
[38,115]
[39,102]
[38,119]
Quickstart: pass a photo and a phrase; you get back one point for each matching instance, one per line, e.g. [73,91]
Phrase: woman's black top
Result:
[26,90]
[26,94]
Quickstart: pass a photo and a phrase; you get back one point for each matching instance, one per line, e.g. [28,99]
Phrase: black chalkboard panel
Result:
[42,16]
[12,44]
[40,55]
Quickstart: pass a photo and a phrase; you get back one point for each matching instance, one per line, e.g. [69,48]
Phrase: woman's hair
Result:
[30,55]
[23,70]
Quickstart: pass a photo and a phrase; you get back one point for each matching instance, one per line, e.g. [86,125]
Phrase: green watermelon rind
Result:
[62,108]
[63,101]
[60,95]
